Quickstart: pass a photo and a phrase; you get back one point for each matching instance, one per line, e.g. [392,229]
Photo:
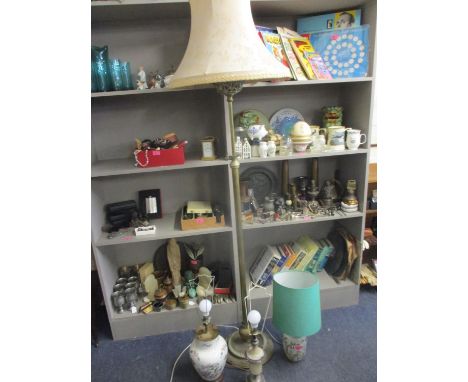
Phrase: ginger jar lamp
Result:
[224,49]
[208,350]
[296,310]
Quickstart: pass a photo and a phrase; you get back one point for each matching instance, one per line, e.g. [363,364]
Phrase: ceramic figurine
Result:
[153,82]
[194,251]
[141,82]
[271,149]
[263,150]
[238,147]
[173,258]
[246,149]
[208,350]
[328,194]
[168,77]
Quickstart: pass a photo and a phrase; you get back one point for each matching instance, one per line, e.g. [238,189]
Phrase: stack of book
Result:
[295,52]
[304,254]
[325,46]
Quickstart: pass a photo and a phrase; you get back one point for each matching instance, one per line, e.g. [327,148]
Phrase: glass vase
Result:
[116,75]
[93,78]
[100,58]
[126,75]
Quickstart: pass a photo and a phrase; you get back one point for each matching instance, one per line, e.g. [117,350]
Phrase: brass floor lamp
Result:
[225,50]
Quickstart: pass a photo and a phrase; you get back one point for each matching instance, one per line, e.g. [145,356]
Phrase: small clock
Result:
[208,148]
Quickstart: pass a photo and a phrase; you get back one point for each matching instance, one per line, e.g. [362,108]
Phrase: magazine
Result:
[318,66]
[272,42]
[301,45]
[296,68]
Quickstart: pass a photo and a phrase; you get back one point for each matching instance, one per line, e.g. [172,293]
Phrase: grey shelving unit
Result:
[154,33]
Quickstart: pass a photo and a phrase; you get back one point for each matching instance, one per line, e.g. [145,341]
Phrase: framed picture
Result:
[149,202]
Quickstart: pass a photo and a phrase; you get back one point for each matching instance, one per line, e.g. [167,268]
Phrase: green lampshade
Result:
[296,303]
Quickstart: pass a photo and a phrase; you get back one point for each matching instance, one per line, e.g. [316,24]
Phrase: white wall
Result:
[373,153]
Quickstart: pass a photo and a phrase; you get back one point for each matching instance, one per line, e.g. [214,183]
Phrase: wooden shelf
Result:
[158,9]
[146,91]
[117,167]
[304,155]
[309,82]
[166,227]
[329,292]
[339,215]
[128,325]
[164,313]
[246,86]
[326,282]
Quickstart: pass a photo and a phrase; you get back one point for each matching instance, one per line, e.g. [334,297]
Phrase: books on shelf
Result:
[336,20]
[318,66]
[301,47]
[272,42]
[260,265]
[296,69]
[304,254]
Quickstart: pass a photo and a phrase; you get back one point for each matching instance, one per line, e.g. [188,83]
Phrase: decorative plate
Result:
[337,261]
[247,118]
[283,121]
[262,180]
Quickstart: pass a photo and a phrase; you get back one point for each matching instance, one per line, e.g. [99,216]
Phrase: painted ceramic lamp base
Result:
[209,358]
[294,347]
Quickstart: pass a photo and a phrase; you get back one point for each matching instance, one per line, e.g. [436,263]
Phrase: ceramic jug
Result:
[354,139]
[336,137]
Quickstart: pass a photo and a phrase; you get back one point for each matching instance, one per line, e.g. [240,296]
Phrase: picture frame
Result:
[149,203]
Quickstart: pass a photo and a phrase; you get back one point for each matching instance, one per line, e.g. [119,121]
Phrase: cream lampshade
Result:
[224,46]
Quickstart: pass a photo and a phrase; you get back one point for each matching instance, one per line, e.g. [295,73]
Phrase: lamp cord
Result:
[177,360]
[273,337]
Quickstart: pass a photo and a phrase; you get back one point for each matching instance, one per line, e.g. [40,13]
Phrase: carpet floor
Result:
[345,350]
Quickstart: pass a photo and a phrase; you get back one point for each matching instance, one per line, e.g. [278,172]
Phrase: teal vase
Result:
[93,78]
[100,58]
[116,75]
[126,75]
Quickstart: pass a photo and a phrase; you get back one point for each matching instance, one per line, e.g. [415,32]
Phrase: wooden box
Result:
[200,222]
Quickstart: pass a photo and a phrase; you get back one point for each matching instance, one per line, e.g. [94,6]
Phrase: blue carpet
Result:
[345,350]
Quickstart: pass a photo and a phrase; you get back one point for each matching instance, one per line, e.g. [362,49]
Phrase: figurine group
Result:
[156,79]
[165,289]
[303,200]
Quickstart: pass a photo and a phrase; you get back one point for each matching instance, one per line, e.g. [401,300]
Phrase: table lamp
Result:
[224,49]
[296,310]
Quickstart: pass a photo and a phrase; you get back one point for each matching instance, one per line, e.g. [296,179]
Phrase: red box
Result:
[156,158]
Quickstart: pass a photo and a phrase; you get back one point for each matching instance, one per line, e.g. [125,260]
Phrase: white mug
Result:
[353,139]
[336,137]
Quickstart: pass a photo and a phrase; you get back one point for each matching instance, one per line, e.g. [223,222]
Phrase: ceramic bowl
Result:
[300,147]
[302,140]
[257,131]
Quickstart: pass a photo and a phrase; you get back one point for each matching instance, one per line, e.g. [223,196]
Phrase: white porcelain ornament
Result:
[208,350]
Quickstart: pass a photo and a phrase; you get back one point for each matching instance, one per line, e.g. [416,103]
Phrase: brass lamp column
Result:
[239,342]
[224,49]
